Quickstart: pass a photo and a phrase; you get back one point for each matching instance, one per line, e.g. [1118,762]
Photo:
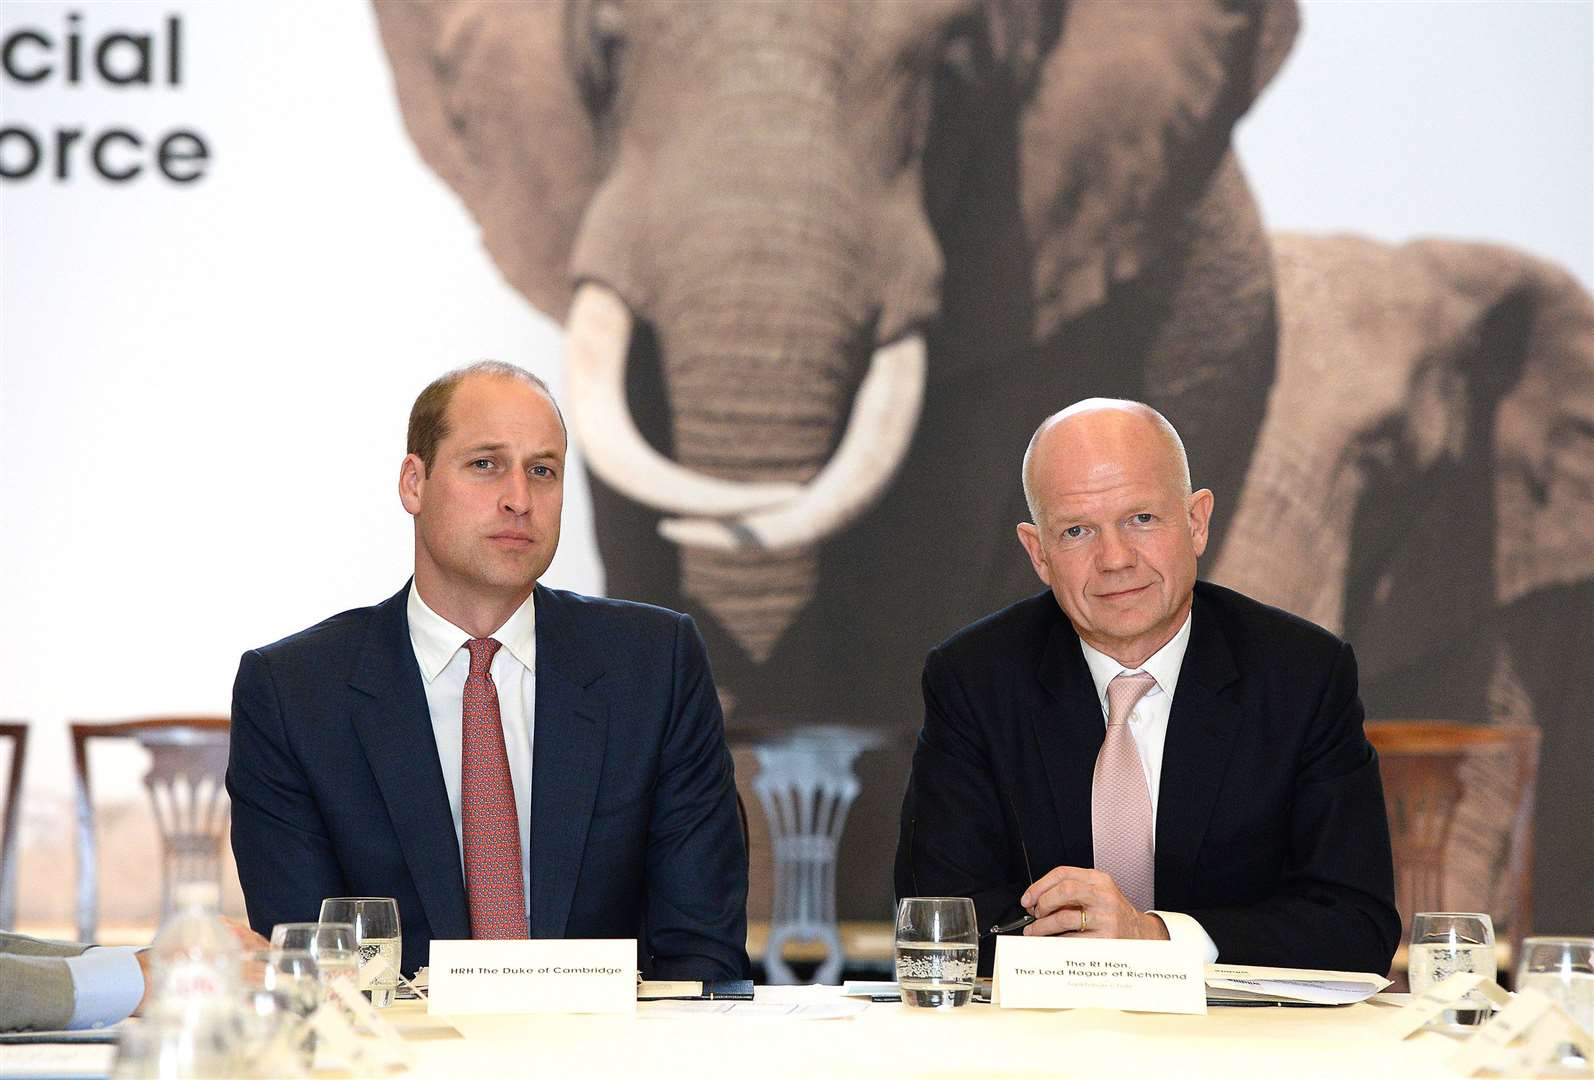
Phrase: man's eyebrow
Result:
[498,447]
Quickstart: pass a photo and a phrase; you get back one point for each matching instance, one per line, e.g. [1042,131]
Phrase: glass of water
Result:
[333,946]
[1446,943]
[1562,969]
[375,920]
[290,976]
[938,951]
[282,988]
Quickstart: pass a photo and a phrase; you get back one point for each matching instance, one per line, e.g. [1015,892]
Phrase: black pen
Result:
[1009,927]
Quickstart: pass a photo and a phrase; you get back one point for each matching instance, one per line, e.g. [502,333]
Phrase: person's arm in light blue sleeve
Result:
[107,984]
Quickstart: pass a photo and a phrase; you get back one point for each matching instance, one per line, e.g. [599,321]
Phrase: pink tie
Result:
[1120,803]
[488,822]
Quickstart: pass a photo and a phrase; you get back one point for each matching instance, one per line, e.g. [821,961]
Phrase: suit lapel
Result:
[1201,729]
[571,725]
[395,729]
[1068,732]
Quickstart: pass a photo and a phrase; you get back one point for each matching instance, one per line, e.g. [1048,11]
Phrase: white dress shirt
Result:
[445,662]
[1148,723]
[107,985]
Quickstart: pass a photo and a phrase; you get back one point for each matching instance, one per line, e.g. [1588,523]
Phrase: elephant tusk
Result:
[885,414]
[598,337]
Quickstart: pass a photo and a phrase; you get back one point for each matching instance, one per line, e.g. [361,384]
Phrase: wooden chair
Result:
[186,783]
[17,735]
[1460,801]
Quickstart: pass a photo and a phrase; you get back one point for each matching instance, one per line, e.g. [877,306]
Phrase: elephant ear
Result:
[1537,326]
[486,94]
[1128,118]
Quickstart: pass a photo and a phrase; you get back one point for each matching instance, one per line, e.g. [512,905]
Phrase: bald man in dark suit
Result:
[1134,754]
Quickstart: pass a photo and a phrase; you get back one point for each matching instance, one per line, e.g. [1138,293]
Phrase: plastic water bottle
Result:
[193,1024]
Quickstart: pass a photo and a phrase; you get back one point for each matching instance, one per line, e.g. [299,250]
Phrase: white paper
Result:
[1425,1007]
[1315,986]
[1098,973]
[536,976]
[56,1059]
[837,1009]
[355,1034]
[1523,1037]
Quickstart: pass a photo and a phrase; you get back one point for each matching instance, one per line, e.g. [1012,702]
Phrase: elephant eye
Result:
[596,36]
[964,54]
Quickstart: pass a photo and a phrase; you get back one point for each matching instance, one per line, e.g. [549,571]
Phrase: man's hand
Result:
[1070,900]
[249,940]
[143,968]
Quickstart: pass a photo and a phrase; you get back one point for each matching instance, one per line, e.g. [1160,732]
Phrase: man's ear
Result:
[1030,537]
[412,482]
[1200,515]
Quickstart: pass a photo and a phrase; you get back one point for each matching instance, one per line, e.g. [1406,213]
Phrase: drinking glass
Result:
[376,935]
[333,946]
[938,951]
[290,975]
[1562,969]
[282,987]
[1446,943]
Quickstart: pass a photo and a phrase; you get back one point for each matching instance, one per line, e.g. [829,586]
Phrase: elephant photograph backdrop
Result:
[846,255]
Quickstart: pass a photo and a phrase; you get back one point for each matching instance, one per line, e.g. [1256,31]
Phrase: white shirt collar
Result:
[1162,665]
[436,640]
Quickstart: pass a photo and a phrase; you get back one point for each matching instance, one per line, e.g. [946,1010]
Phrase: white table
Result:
[890,1040]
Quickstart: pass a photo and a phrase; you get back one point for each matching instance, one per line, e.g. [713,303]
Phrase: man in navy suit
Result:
[504,759]
[1135,754]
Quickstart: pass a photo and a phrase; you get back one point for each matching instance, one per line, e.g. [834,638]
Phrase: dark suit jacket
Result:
[1270,818]
[337,789]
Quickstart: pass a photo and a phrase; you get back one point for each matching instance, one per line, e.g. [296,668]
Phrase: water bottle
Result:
[193,1023]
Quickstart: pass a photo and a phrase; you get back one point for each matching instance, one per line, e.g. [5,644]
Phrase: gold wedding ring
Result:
[1084,921]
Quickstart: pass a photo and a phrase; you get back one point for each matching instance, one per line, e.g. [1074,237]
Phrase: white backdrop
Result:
[203,387]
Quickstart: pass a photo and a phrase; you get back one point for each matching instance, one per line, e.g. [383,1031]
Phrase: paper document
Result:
[1232,982]
[835,1009]
[56,1061]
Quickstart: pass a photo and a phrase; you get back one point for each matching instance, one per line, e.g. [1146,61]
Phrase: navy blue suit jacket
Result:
[1270,816]
[337,790]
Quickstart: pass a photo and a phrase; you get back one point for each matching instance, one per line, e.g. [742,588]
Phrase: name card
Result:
[352,1033]
[1098,973]
[543,976]
[1528,1036]
[1451,993]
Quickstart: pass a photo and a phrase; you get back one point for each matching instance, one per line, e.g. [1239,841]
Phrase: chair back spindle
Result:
[187,792]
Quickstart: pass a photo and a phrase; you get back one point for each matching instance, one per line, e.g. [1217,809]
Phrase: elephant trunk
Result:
[788,420]
[760,364]
[756,571]
[755,354]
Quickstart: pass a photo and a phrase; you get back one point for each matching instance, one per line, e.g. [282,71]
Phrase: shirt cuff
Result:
[107,985]
[1183,928]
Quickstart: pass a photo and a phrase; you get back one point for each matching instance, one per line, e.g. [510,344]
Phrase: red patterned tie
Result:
[1120,802]
[488,821]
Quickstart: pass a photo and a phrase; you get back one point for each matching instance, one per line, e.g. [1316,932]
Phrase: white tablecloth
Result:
[885,1040]
[891,1040]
